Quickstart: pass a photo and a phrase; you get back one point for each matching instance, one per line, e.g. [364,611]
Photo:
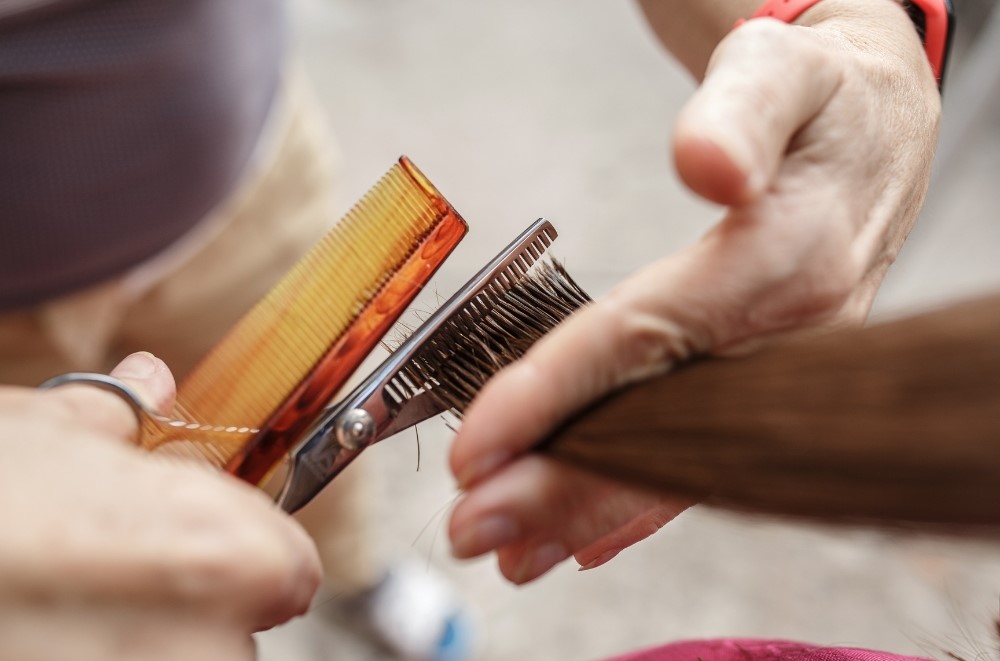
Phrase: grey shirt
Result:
[122,124]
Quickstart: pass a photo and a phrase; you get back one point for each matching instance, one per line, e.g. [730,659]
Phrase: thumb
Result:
[765,82]
[110,414]
[150,377]
[622,337]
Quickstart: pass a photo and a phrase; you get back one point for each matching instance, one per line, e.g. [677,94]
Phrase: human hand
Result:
[111,553]
[819,139]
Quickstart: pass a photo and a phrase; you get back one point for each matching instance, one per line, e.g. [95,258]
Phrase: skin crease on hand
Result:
[109,552]
[819,139]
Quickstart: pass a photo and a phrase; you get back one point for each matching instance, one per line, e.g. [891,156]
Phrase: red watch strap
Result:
[937,32]
[936,24]
[783,10]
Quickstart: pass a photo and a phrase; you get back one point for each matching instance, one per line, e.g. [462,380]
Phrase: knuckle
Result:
[647,342]
[92,408]
[36,405]
[767,38]
[755,34]
[60,405]
[809,296]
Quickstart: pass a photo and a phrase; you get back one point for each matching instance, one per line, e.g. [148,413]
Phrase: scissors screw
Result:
[355,429]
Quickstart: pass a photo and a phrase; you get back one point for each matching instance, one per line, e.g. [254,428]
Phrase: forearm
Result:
[692,30]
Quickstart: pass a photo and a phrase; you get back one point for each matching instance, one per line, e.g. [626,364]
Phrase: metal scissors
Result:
[382,405]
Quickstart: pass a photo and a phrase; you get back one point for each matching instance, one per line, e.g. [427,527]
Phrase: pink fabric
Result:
[735,649]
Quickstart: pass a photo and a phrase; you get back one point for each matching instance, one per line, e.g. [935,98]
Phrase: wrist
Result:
[856,14]
[916,31]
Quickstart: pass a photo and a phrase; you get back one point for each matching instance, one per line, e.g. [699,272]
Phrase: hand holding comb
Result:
[247,402]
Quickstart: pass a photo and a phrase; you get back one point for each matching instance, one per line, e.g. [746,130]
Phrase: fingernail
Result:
[481,467]
[541,560]
[600,560]
[483,536]
[140,365]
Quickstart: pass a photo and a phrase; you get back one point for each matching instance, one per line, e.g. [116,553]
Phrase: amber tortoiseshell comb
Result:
[246,403]
[286,359]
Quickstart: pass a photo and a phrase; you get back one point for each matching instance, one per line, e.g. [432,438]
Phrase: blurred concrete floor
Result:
[524,108]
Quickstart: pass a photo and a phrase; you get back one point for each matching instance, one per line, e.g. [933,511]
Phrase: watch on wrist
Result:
[934,21]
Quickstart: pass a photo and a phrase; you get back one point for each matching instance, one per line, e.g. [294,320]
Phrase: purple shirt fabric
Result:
[736,649]
[122,124]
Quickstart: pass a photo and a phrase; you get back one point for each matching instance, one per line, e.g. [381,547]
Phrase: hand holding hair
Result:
[819,138]
[897,424]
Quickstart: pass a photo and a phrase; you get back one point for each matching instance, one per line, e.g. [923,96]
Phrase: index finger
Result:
[629,334]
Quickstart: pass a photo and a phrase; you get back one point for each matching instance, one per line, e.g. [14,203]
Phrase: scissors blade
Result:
[411,413]
[306,479]
[317,462]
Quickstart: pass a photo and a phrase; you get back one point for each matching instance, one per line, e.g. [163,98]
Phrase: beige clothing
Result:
[180,303]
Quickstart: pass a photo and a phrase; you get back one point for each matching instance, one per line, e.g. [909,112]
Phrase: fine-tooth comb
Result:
[296,348]
[246,403]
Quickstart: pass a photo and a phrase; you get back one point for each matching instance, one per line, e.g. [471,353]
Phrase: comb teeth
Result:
[350,274]
[520,265]
[527,300]
[503,272]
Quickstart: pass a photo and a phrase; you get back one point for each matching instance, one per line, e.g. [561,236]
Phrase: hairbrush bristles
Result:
[491,331]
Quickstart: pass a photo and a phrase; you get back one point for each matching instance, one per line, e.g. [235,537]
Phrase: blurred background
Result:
[526,108]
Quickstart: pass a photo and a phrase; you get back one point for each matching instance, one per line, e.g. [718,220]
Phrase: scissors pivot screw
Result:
[355,429]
